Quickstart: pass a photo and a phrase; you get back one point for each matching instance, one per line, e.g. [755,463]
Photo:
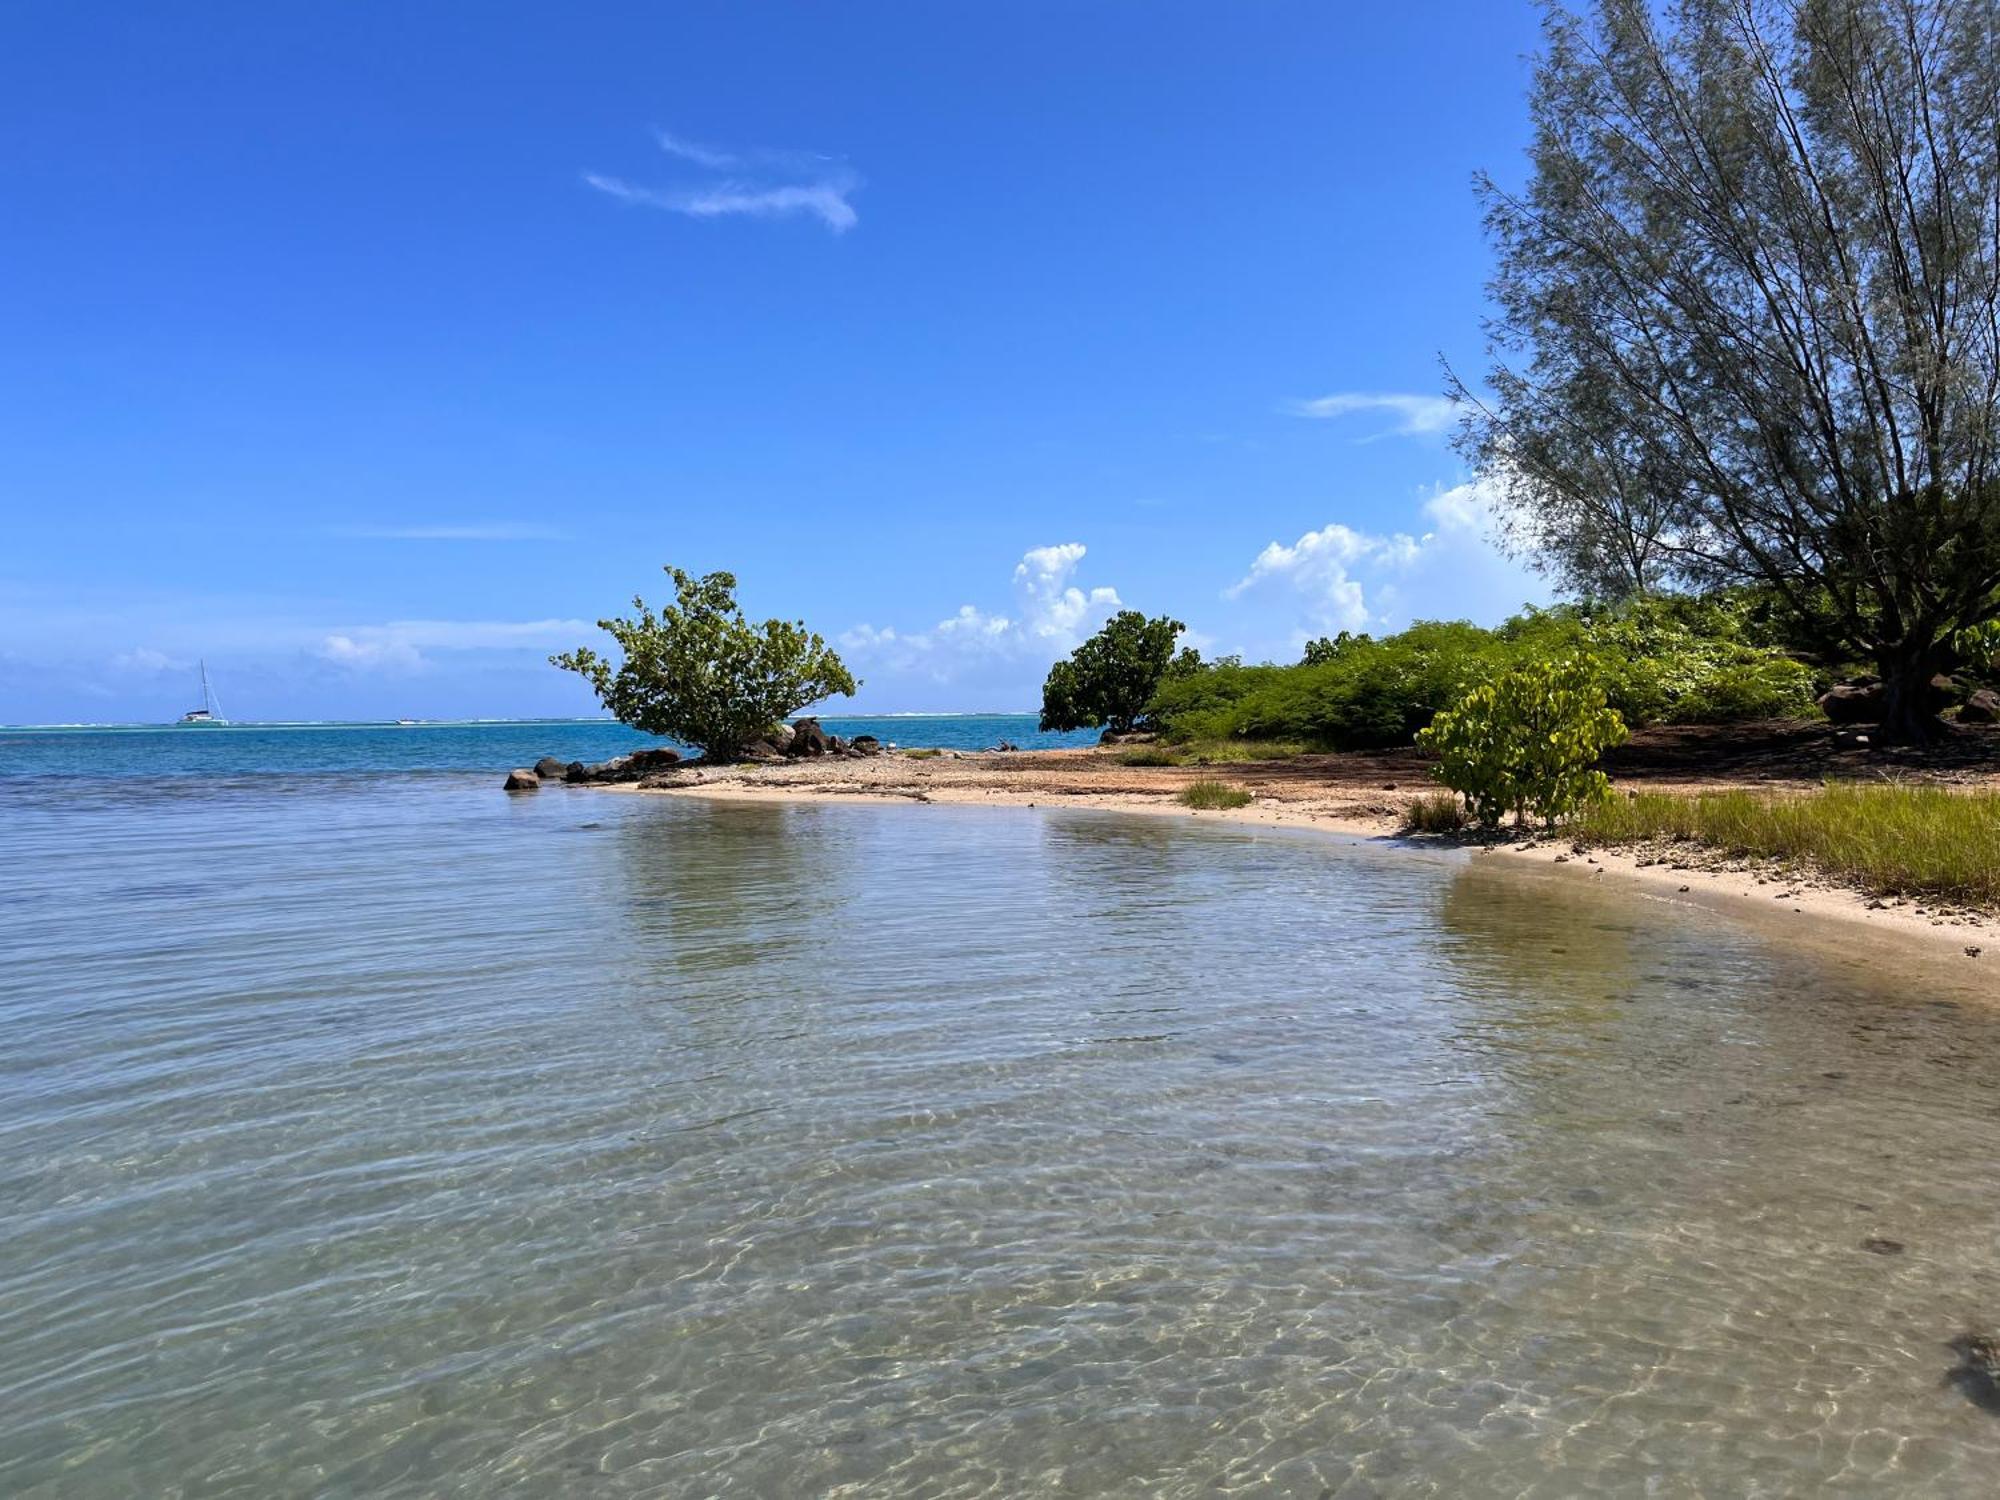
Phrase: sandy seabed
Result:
[1365,796]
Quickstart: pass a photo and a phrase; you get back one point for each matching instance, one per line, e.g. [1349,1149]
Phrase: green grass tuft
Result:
[1894,840]
[922,754]
[1222,752]
[1149,757]
[1213,796]
[1435,812]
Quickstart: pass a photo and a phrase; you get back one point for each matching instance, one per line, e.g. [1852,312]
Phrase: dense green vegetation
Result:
[1528,742]
[1673,659]
[697,671]
[1895,840]
[1213,796]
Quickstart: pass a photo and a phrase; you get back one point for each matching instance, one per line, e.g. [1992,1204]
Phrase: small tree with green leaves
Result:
[1111,677]
[700,673]
[1528,741]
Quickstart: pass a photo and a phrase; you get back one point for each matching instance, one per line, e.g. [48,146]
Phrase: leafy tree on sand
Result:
[1749,326]
[698,672]
[1111,677]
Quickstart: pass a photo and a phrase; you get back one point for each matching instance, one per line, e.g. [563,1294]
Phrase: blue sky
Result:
[370,351]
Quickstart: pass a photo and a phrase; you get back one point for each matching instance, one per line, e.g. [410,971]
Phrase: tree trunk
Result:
[1907,715]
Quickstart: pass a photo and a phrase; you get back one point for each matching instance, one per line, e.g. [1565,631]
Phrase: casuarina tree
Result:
[1749,316]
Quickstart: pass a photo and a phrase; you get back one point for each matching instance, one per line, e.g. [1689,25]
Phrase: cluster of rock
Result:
[785,742]
[577,773]
[1860,701]
[806,739]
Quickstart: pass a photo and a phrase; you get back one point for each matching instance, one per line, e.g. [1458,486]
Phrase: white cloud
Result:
[145,659]
[1054,607]
[475,531]
[1465,508]
[715,158]
[760,184]
[1320,565]
[1416,416]
[400,645]
[1345,579]
[373,654]
[1051,615]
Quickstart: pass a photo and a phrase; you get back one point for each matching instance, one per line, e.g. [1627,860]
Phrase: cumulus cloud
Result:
[1052,605]
[1050,615]
[1321,566]
[1416,416]
[1347,579]
[751,183]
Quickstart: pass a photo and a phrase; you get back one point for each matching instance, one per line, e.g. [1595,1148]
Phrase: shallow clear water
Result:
[391,1136]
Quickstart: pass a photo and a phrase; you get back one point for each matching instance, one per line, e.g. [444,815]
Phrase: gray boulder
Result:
[779,737]
[523,781]
[809,739]
[865,744]
[1853,703]
[550,769]
[1983,707]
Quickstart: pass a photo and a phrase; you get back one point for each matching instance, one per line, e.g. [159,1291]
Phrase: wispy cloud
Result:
[752,183]
[474,531]
[145,661]
[399,645]
[1416,416]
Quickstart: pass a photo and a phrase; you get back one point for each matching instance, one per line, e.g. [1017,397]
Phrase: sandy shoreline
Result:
[1363,797]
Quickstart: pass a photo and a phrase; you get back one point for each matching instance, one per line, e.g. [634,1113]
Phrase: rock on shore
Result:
[803,740]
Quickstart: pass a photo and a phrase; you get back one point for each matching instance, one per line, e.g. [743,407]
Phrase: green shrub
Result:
[1434,812]
[1528,741]
[1213,796]
[1674,659]
[697,671]
[1201,705]
[1149,757]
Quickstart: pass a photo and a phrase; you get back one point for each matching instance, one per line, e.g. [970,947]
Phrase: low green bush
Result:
[1528,741]
[1149,757]
[1434,812]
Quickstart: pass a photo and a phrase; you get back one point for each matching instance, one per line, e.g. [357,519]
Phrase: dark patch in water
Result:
[1977,1373]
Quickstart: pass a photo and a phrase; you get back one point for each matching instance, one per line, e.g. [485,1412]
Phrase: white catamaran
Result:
[210,711]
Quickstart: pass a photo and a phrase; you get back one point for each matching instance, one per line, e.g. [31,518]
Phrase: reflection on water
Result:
[426,1142]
